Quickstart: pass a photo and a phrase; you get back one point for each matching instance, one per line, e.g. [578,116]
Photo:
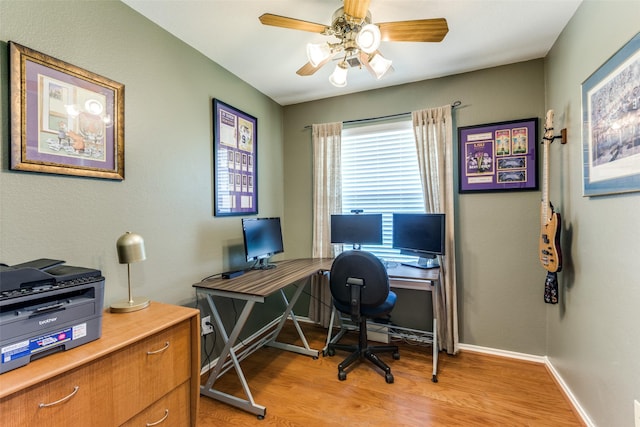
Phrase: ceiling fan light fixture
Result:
[339,76]
[316,53]
[379,65]
[368,39]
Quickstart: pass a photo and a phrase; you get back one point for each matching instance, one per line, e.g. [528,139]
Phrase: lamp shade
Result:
[130,248]
[316,53]
[339,76]
[379,65]
[368,39]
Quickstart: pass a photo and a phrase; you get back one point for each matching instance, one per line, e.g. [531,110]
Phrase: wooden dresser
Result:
[144,370]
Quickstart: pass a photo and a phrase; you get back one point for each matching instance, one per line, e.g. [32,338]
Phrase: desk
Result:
[253,287]
[404,277]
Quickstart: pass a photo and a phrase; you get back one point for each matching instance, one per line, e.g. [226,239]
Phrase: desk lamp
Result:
[130,248]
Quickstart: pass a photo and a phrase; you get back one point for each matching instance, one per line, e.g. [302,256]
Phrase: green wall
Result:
[594,333]
[167,193]
[591,337]
[500,281]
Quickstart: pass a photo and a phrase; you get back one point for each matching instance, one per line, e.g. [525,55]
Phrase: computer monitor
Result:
[421,235]
[262,239]
[358,229]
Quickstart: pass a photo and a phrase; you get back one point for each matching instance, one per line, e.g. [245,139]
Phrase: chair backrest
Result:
[363,265]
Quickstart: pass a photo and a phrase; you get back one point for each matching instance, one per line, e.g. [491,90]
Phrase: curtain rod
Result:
[391,116]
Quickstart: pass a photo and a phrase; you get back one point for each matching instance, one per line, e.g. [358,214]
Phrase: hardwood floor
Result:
[473,390]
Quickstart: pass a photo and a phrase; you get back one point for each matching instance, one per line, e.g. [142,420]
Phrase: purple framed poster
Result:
[498,156]
[64,119]
[235,157]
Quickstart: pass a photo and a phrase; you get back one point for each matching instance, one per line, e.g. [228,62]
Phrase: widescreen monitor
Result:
[421,235]
[262,239]
[358,229]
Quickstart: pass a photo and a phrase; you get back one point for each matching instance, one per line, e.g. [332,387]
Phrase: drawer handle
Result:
[166,346]
[64,399]
[166,414]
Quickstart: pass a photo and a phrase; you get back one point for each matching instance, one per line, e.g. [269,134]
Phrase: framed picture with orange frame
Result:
[64,119]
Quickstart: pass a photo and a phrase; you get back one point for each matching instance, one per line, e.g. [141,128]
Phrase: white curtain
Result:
[434,142]
[327,200]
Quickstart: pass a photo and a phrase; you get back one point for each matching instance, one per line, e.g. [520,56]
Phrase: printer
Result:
[46,307]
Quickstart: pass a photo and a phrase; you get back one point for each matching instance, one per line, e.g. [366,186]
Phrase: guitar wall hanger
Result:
[562,136]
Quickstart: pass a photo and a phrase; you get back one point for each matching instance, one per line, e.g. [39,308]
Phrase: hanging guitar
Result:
[550,224]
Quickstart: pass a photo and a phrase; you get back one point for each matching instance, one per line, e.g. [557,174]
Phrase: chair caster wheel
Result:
[342,375]
[388,378]
[331,352]
[396,356]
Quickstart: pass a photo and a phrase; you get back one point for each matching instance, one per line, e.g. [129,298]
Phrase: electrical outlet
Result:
[636,411]
[206,326]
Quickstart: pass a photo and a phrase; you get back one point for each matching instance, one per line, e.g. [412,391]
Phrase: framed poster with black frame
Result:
[498,156]
[235,158]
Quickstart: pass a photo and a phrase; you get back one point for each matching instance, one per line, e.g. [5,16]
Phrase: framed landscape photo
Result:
[498,156]
[611,124]
[235,158]
[64,119]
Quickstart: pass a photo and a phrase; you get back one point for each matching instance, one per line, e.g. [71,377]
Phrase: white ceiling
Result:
[482,34]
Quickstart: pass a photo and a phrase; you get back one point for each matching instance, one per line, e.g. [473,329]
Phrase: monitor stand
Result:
[424,263]
[264,264]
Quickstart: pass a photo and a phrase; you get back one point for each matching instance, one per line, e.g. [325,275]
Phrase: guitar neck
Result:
[545,209]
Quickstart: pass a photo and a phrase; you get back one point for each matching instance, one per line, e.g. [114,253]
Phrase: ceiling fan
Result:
[357,39]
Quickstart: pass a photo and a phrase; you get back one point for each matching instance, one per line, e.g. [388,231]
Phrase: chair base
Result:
[363,351]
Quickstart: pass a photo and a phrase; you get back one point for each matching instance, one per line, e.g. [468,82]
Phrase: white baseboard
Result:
[569,394]
[502,353]
[538,359]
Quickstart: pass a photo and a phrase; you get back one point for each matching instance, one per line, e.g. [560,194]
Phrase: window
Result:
[380,175]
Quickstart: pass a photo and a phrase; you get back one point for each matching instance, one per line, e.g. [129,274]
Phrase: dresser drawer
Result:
[171,410]
[146,371]
[142,364]
[81,397]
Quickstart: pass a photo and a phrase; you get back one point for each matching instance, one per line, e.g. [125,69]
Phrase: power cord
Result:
[208,350]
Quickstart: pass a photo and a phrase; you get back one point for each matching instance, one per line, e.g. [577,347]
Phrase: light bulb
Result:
[368,39]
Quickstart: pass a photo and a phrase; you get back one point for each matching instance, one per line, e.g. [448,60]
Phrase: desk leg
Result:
[288,312]
[434,378]
[331,319]
[248,404]
[434,295]
[340,334]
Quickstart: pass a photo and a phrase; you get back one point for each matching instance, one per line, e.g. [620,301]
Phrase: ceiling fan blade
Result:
[419,30]
[356,8]
[308,69]
[292,23]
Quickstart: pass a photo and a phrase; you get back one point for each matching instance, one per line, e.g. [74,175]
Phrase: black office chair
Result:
[360,288]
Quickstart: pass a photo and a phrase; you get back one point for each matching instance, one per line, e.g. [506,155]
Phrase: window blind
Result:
[380,175]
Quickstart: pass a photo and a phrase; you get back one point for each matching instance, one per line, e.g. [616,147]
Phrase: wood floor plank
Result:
[473,390]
